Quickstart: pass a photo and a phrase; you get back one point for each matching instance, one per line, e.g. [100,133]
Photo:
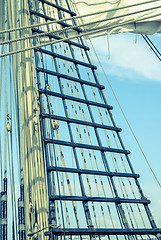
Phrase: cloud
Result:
[127,58]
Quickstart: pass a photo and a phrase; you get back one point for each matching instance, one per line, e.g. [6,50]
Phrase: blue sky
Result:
[135,74]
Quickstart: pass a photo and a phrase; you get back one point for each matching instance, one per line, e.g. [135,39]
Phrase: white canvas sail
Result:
[139,16]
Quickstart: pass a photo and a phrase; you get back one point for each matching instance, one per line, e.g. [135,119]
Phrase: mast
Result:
[32,165]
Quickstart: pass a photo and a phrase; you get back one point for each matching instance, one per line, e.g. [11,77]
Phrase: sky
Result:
[135,75]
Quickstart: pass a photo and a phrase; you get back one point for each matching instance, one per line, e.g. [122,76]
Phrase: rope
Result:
[122,160]
[38,169]
[80,138]
[84,118]
[57,174]
[121,157]
[65,101]
[11,153]
[79,135]
[75,211]
[55,158]
[79,25]
[108,43]
[12,182]
[75,17]
[1,171]
[50,106]
[82,151]
[125,117]
[152,46]
[99,111]
[108,140]
[14,116]
[98,30]
[40,230]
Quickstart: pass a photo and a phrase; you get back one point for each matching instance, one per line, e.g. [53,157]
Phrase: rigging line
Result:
[74,204]
[55,149]
[95,4]
[41,197]
[5,111]
[14,193]
[109,141]
[126,171]
[55,160]
[95,100]
[31,165]
[1,173]
[120,180]
[129,181]
[57,174]
[152,46]
[42,229]
[120,155]
[98,30]
[82,151]
[85,204]
[38,172]
[5,97]
[76,93]
[12,104]
[38,169]
[113,158]
[63,189]
[125,117]
[81,112]
[67,177]
[11,147]
[62,184]
[81,25]
[13,199]
[49,123]
[76,17]
[54,76]
[131,169]
[90,113]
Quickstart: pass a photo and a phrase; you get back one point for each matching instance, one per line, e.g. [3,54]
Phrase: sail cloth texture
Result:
[138,16]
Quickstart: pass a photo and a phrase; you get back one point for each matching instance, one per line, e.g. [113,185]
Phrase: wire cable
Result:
[99,30]
[76,17]
[79,25]
[152,46]
[125,117]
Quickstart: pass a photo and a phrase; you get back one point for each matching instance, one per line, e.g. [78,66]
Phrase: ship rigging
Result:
[65,171]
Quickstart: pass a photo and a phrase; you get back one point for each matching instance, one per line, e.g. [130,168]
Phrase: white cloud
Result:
[128,59]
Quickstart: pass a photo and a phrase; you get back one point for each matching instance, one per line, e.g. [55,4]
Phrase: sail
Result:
[118,16]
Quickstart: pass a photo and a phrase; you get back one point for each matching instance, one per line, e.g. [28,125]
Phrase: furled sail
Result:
[117,16]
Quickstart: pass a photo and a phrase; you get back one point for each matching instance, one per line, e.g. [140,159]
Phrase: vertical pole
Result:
[4,210]
[21,214]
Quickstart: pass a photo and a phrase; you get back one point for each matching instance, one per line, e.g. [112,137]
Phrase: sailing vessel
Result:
[65,172]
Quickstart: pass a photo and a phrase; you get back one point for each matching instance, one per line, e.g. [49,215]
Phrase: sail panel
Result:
[121,16]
